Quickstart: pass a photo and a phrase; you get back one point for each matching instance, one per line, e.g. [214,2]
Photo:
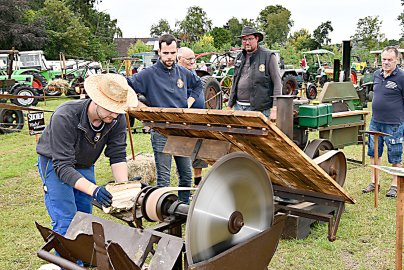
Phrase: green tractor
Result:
[19,85]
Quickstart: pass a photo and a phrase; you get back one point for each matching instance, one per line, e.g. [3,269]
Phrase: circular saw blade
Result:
[237,182]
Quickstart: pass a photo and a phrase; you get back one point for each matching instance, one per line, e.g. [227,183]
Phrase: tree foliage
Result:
[276,22]
[221,38]
[18,30]
[321,33]
[235,27]
[401,19]
[139,47]
[204,44]
[66,32]
[302,40]
[195,25]
[162,27]
[368,32]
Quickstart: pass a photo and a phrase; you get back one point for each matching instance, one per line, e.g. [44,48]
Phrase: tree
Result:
[221,38]
[401,19]
[66,31]
[162,27]
[321,33]
[204,44]
[276,22]
[18,29]
[234,27]
[302,40]
[103,30]
[195,25]
[139,47]
[368,33]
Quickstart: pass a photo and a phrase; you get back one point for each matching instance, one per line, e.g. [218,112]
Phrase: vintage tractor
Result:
[358,65]
[18,85]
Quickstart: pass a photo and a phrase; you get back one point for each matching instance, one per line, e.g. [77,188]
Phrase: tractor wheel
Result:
[226,84]
[213,93]
[311,91]
[11,120]
[289,85]
[39,81]
[25,90]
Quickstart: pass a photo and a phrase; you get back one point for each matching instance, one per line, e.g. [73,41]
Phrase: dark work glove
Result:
[102,196]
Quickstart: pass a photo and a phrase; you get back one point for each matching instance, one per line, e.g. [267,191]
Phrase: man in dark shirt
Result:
[168,85]
[71,143]
[256,76]
[388,114]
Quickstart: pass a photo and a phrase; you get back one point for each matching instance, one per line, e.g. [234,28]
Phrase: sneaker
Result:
[370,188]
[392,193]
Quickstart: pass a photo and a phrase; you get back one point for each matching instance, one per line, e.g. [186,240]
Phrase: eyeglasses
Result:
[248,39]
[189,59]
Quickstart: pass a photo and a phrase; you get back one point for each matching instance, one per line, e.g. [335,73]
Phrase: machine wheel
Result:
[213,93]
[311,91]
[289,85]
[11,120]
[317,146]
[242,213]
[39,81]
[25,90]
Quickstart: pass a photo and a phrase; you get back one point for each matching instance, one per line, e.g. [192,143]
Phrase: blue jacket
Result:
[166,88]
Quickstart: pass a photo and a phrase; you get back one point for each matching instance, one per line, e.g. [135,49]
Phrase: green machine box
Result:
[315,116]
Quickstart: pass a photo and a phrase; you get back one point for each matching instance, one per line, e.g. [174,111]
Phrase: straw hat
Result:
[111,91]
[249,30]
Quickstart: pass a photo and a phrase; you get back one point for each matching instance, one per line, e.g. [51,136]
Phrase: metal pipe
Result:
[62,262]
[346,59]
[284,114]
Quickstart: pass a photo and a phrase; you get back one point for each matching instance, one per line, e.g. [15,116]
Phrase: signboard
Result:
[36,122]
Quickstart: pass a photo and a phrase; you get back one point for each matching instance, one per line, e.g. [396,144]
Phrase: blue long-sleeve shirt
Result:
[166,88]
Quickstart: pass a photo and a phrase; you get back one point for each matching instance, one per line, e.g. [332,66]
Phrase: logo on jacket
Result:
[391,85]
[180,83]
[261,68]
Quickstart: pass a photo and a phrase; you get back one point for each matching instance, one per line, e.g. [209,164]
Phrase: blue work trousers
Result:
[163,166]
[61,200]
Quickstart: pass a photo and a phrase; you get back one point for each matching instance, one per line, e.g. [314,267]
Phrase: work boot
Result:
[370,188]
[392,193]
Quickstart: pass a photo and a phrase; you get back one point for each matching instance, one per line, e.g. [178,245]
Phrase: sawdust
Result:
[143,166]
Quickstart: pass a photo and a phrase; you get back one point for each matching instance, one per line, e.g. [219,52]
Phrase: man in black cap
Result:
[256,76]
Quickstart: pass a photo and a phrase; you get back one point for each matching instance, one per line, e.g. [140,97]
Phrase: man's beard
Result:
[168,63]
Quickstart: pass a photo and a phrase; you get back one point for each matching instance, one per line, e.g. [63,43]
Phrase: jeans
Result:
[239,107]
[61,200]
[163,166]
[394,143]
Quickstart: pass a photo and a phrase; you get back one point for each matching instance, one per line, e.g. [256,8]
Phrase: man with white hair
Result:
[186,58]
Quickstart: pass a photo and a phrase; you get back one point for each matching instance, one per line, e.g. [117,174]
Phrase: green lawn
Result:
[365,239]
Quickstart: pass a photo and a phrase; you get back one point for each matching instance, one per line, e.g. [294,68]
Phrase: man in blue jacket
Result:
[165,85]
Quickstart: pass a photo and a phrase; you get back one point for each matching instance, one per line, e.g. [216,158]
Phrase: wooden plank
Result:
[285,162]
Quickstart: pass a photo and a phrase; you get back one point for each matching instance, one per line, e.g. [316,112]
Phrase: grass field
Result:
[365,239]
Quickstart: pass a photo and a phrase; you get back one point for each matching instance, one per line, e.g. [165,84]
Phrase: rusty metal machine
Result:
[238,211]
[229,218]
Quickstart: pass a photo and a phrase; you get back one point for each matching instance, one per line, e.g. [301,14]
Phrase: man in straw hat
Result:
[165,85]
[71,143]
[256,76]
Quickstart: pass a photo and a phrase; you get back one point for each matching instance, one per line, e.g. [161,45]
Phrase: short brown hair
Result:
[391,48]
